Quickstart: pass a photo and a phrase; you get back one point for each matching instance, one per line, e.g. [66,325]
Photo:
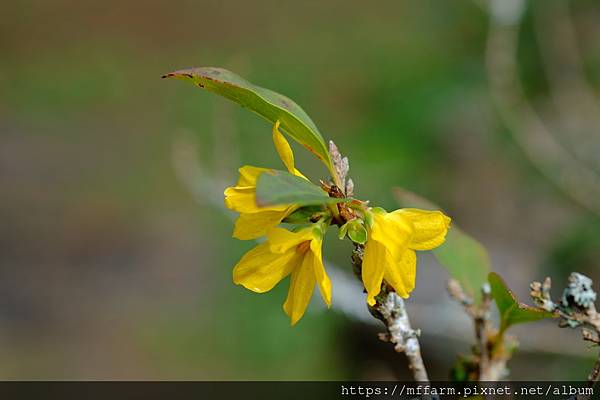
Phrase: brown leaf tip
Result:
[177,73]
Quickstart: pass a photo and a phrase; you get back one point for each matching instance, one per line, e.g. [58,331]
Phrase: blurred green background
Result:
[116,253]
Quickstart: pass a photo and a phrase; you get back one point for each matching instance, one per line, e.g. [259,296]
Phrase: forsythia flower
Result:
[254,221]
[282,254]
[390,250]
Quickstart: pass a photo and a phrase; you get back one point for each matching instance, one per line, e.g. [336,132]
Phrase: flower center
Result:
[303,247]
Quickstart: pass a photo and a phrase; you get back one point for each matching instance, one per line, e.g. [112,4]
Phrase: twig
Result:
[576,308]
[391,310]
[480,317]
[595,373]
[401,334]
[489,365]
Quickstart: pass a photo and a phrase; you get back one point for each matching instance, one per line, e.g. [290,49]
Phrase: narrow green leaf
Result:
[281,187]
[465,259]
[511,311]
[264,102]
[357,231]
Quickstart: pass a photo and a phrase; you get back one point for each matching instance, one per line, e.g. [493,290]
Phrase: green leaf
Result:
[303,215]
[342,231]
[511,311]
[264,102]
[465,259]
[281,187]
[357,231]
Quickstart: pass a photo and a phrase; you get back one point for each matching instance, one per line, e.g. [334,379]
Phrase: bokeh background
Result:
[116,253]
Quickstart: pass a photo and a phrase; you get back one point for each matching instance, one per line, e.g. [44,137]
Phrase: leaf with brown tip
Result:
[270,105]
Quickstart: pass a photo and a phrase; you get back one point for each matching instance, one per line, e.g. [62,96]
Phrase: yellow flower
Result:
[390,250]
[254,221]
[282,254]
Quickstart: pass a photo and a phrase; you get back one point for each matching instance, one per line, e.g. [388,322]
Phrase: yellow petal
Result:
[243,200]
[282,240]
[319,269]
[260,270]
[242,197]
[285,151]
[254,225]
[298,173]
[302,285]
[402,275]
[375,259]
[249,175]
[430,227]
[393,231]
[283,148]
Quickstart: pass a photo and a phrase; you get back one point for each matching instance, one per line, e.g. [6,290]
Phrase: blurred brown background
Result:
[115,251]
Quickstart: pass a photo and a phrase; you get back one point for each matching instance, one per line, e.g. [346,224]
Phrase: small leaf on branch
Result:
[510,309]
[357,231]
